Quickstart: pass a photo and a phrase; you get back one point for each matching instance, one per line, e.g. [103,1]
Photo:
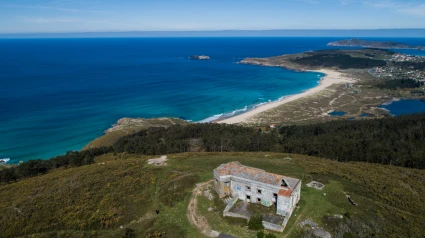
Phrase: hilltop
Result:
[119,194]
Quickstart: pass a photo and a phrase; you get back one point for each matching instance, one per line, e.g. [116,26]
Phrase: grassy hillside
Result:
[122,190]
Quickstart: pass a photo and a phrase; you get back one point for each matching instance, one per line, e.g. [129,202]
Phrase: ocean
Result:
[57,95]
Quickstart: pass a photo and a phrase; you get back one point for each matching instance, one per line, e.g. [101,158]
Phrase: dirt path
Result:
[192,212]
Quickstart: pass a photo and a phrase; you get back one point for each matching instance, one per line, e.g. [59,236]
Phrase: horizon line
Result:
[220,30]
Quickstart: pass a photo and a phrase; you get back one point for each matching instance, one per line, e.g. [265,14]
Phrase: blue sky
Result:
[34,16]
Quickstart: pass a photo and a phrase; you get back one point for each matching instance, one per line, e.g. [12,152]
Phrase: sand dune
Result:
[332,77]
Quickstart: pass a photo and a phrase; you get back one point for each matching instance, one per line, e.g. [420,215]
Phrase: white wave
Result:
[241,110]
[4,160]
[283,97]
[212,118]
[260,104]
[230,114]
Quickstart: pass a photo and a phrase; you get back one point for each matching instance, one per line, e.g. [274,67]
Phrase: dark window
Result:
[248,197]
[283,183]
[248,188]
[258,199]
[259,191]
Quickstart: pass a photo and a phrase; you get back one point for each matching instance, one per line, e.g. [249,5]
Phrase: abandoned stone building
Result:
[257,186]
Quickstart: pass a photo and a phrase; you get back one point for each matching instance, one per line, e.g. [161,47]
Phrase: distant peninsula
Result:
[374,44]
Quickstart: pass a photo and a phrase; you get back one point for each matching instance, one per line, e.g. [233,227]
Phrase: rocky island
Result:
[199,57]
[374,44]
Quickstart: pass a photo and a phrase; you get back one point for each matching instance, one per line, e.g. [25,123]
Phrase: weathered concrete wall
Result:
[220,185]
[226,212]
[239,187]
[287,217]
[273,227]
[231,214]
[230,204]
[283,205]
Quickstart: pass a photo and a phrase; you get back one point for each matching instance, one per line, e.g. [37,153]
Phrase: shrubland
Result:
[122,190]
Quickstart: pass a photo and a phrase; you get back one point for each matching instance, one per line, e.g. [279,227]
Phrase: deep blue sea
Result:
[59,94]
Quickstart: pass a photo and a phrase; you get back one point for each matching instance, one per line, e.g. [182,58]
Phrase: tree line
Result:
[342,61]
[36,167]
[395,140]
[400,83]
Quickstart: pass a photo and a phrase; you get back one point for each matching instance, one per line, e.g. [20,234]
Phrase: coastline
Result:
[331,77]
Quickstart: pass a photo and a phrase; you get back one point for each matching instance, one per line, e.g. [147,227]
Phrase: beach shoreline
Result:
[331,77]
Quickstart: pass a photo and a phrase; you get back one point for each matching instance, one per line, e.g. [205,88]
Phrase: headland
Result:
[356,83]
[374,44]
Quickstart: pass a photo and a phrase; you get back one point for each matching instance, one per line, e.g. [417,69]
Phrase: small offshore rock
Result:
[200,57]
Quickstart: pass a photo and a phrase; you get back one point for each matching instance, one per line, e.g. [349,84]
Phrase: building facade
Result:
[257,186]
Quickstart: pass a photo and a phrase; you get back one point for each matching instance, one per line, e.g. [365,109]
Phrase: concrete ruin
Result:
[161,161]
[258,186]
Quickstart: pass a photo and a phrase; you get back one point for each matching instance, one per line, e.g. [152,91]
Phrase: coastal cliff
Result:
[125,126]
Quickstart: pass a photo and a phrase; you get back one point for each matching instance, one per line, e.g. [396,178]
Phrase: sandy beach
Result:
[331,77]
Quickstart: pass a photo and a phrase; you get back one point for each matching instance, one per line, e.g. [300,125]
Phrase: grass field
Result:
[120,194]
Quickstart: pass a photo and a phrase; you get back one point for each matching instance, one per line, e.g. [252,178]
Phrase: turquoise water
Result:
[59,94]
[405,106]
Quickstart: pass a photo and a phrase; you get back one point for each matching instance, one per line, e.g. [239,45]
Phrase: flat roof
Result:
[237,169]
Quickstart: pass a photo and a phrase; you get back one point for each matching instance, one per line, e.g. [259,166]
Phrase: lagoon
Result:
[405,107]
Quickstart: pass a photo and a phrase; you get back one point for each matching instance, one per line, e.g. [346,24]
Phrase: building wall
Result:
[242,188]
[222,185]
[238,187]
[286,205]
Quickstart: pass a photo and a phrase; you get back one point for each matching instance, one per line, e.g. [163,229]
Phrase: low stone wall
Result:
[226,212]
[231,214]
[230,204]
[267,225]
[273,227]
[285,221]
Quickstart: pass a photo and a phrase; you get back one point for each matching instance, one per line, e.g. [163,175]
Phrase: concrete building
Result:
[257,186]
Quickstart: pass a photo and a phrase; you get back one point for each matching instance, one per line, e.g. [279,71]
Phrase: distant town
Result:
[396,70]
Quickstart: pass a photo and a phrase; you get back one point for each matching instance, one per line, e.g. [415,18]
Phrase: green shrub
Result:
[256,222]
[270,235]
[349,235]
[129,233]
[260,234]
[236,221]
